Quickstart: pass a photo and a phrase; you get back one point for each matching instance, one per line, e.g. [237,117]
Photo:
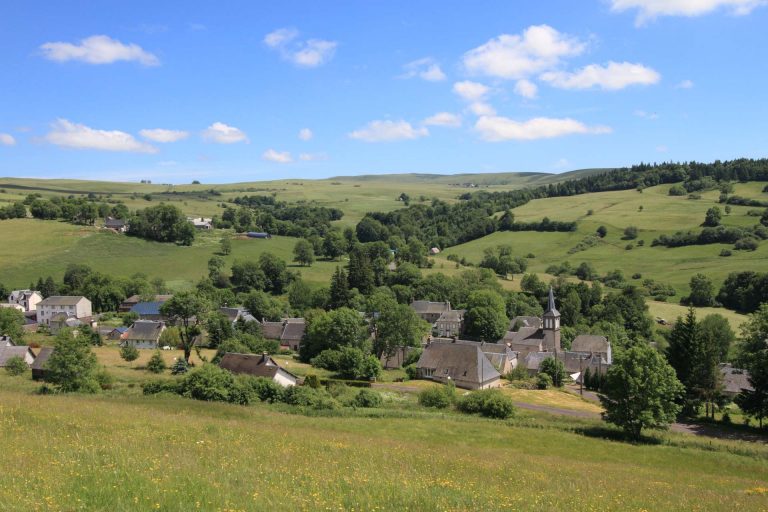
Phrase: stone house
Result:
[72,306]
[258,365]
[463,364]
[27,299]
[143,334]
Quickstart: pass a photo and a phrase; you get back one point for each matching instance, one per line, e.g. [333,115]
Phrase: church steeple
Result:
[551,320]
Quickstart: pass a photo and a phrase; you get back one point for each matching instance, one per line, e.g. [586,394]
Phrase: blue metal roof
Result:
[147,308]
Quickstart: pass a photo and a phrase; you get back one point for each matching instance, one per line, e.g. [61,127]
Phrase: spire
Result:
[551,304]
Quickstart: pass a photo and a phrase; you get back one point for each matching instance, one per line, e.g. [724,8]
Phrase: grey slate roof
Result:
[272,330]
[425,306]
[145,330]
[61,300]
[589,343]
[258,365]
[452,315]
[232,314]
[294,330]
[525,321]
[735,379]
[459,361]
[8,352]
[42,358]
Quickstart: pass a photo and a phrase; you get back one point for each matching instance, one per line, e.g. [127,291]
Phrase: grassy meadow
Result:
[123,451]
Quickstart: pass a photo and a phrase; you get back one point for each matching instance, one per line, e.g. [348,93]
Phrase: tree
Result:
[72,364]
[186,311]
[359,271]
[334,245]
[304,253]
[555,369]
[702,291]
[12,324]
[226,245]
[630,233]
[215,266]
[602,231]
[398,326]
[162,223]
[263,306]
[299,295]
[247,276]
[339,294]
[156,363]
[170,338]
[16,366]
[219,329]
[718,327]
[129,353]
[640,391]
[332,330]
[713,217]
[754,357]
[486,315]
[275,273]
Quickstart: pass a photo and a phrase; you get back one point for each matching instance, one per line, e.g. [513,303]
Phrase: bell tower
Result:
[551,321]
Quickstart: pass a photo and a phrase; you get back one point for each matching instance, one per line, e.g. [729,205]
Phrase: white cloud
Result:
[162,135]
[526,89]
[470,91]
[426,69]
[385,131]
[224,134]
[651,9]
[443,119]
[651,116]
[662,148]
[496,128]
[71,135]
[309,54]
[98,50]
[276,156]
[306,134]
[313,157]
[613,76]
[480,108]
[7,140]
[539,48]
[685,84]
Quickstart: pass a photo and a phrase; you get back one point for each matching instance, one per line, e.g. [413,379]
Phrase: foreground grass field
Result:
[167,453]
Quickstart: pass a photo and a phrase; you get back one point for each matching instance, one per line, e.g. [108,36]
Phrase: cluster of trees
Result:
[16,210]
[744,291]
[265,213]
[77,210]
[741,237]
[501,261]
[162,223]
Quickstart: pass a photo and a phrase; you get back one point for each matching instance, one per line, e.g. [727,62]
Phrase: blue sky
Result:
[236,91]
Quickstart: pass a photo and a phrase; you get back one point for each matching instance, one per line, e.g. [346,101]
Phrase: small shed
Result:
[39,369]
[256,234]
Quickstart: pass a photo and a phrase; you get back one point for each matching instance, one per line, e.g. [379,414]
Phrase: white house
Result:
[73,306]
[24,352]
[27,299]
[258,366]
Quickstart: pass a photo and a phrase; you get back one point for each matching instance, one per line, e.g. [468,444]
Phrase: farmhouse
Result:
[289,331]
[464,364]
[734,380]
[450,323]
[430,311]
[201,222]
[258,366]
[27,299]
[143,334]
[39,369]
[119,225]
[591,345]
[71,306]
[21,351]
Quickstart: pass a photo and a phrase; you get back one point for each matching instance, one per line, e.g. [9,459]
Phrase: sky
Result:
[235,91]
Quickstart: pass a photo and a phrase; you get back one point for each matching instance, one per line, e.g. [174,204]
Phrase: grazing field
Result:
[661,214]
[129,452]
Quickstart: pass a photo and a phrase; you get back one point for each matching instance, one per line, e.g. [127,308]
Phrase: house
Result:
[131,301]
[235,315]
[116,333]
[17,307]
[293,333]
[593,345]
[143,334]
[21,351]
[61,321]
[544,338]
[39,369]
[27,299]
[258,366]
[6,341]
[501,356]
[119,225]
[524,321]
[463,364]
[434,250]
[430,311]
[450,323]
[71,306]
[734,381]
[148,310]
[254,234]
[201,222]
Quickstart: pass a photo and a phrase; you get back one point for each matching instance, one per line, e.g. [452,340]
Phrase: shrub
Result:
[304,396]
[519,372]
[439,398]
[543,381]
[156,363]
[677,190]
[640,243]
[104,379]
[312,380]
[746,244]
[209,383]
[179,367]
[368,398]
[16,366]
[637,275]
[630,233]
[490,403]
[725,253]
[159,386]
[629,247]
[411,371]
[266,390]
[129,353]
[555,369]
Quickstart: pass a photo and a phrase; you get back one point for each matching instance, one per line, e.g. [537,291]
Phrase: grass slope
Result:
[168,453]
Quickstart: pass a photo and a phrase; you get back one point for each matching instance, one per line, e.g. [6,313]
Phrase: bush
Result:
[16,366]
[159,386]
[555,369]
[156,363]
[630,233]
[726,253]
[179,367]
[304,396]
[312,380]
[519,372]
[104,379]
[543,381]
[490,403]
[209,383]
[746,244]
[129,353]
[368,398]
[266,390]
[411,371]
[439,398]
[637,276]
